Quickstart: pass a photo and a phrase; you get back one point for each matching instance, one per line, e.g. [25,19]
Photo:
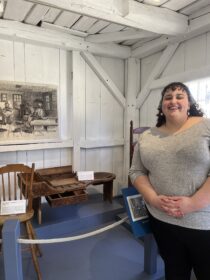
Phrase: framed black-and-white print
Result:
[28,113]
[137,207]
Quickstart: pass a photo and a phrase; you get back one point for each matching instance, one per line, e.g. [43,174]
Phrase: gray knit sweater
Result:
[176,165]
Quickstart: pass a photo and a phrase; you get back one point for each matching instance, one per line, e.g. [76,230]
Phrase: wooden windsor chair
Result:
[18,188]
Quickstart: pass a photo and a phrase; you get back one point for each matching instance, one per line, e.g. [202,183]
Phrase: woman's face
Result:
[175,104]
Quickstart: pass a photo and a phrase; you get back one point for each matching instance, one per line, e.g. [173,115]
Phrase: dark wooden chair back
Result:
[134,131]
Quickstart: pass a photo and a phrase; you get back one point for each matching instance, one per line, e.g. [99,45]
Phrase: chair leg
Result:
[33,251]
[38,250]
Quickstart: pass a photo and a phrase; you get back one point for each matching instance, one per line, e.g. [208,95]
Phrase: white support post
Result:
[158,69]
[78,90]
[133,74]
[104,77]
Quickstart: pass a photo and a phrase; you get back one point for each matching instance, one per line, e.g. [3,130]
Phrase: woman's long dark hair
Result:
[194,107]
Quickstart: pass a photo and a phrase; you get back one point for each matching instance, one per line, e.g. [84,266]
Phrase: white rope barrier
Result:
[66,239]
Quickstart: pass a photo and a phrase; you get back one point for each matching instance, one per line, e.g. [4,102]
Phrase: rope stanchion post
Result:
[11,250]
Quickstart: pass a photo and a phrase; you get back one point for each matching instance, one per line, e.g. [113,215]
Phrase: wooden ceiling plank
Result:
[36,14]
[176,5]
[127,13]
[98,26]
[119,36]
[67,19]
[194,7]
[200,12]
[17,9]
[104,77]
[112,27]
[84,23]
[28,33]
[51,15]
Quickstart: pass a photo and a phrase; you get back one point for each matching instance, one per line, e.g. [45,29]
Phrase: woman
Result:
[171,169]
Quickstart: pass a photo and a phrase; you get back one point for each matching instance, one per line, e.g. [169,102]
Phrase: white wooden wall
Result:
[103,122]
[42,65]
[102,117]
[190,61]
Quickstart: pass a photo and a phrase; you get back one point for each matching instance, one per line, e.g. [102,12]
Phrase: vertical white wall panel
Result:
[51,67]
[106,159]
[66,156]
[35,157]
[195,52]
[93,106]
[7,158]
[83,160]
[118,164]
[93,160]
[147,65]
[52,158]
[208,48]
[107,113]
[6,60]
[149,110]
[21,157]
[177,63]
[115,69]
[34,68]
[64,94]
[19,61]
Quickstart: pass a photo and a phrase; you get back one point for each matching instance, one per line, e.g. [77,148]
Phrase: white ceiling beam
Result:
[156,72]
[119,36]
[197,27]
[63,29]
[187,76]
[104,77]
[151,47]
[22,32]
[155,2]
[125,12]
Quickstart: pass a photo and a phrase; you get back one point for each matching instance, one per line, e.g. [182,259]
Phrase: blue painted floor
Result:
[113,255]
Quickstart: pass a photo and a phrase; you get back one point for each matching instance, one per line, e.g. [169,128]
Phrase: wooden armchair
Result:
[13,190]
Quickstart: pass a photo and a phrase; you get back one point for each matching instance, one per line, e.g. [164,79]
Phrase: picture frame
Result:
[138,218]
[28,113]
[137,207]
